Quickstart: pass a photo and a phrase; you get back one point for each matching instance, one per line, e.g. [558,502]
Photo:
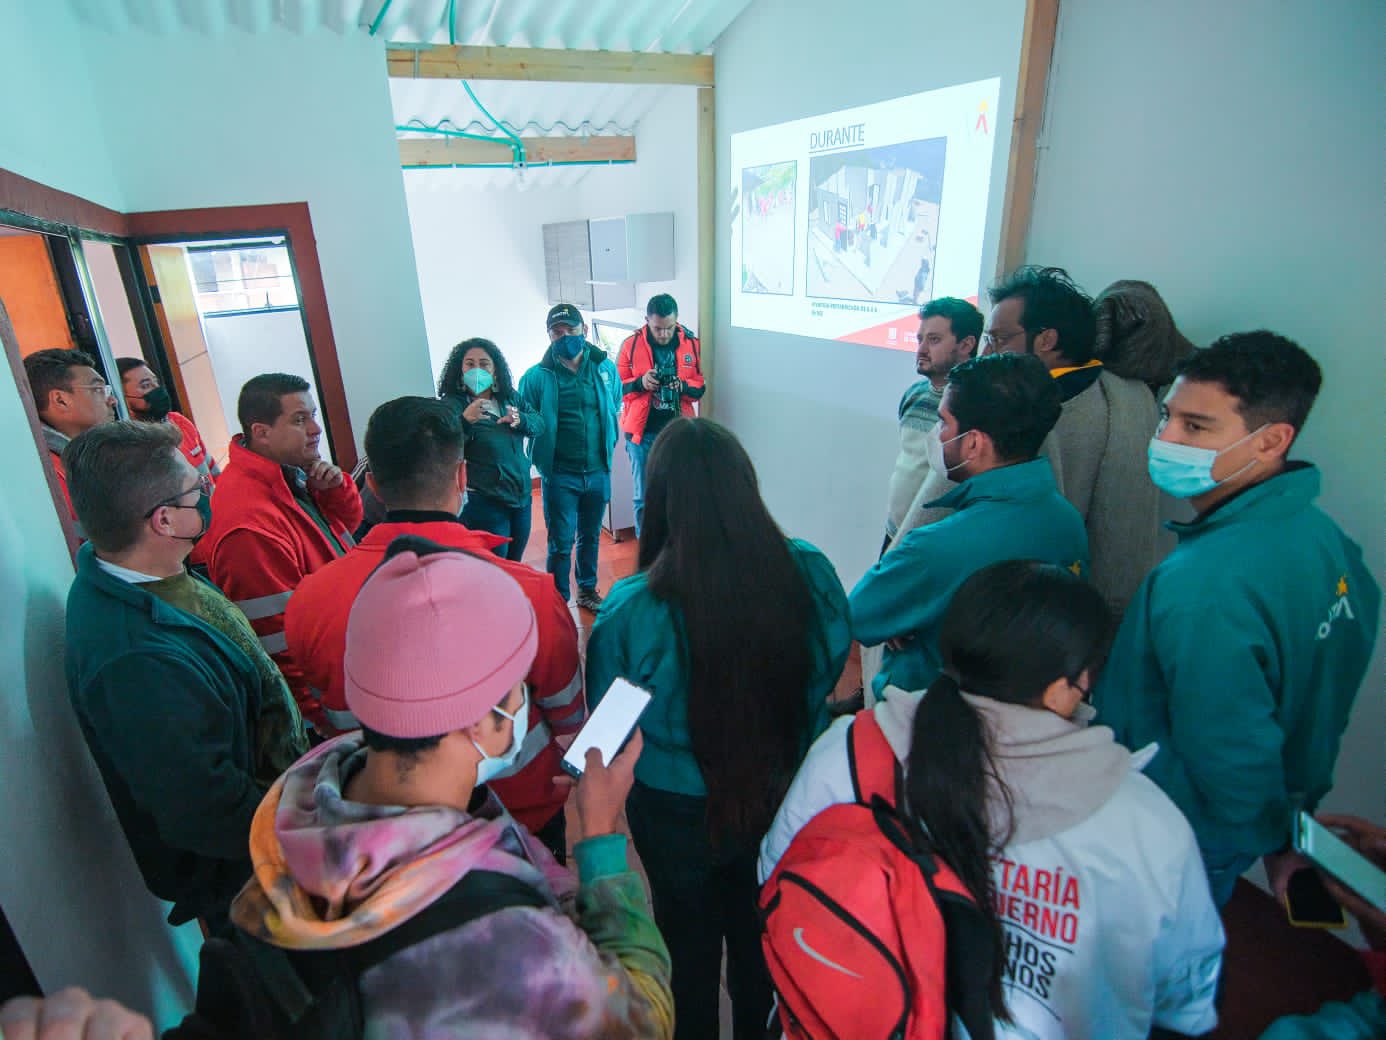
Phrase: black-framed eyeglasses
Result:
[990,339]
[203,485]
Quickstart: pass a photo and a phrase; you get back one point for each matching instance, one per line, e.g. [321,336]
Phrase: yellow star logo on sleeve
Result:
[1342,585]
[1076,567]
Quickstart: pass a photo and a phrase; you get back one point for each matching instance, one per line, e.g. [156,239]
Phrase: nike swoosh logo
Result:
[799,938]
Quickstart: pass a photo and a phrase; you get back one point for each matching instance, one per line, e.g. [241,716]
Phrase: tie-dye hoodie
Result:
[332,873]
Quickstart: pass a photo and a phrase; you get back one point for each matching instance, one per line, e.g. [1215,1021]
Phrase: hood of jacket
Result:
[1058,771]
[1136,334]
[332,873]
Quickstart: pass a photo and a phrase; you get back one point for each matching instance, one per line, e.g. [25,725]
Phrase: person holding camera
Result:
[661,376]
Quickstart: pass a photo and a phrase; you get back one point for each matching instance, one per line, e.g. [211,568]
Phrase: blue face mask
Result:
[1183,471]
[492,766]
[569,347]
[478,380]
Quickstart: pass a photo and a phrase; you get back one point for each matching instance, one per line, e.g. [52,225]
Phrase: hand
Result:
[649,380]
[1370,840]
[602,791]
[512,417]
[323,476]
[476,411]
[1280,866]
[71,1015]
[899,643]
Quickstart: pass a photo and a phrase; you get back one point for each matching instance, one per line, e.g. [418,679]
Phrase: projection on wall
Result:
[843,225]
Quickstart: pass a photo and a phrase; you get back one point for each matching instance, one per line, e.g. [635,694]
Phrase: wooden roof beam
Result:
[452,151]
[407,61]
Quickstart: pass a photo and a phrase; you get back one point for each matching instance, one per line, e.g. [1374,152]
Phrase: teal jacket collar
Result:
[1283,494]
[1022,482]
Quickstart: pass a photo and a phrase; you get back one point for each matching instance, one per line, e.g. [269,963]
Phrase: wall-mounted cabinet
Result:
[595,264]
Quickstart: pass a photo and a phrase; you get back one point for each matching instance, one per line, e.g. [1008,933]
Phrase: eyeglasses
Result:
[104,389]
[203,485]
[990,339]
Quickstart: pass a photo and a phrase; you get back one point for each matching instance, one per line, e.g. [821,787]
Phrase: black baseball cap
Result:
[564,314]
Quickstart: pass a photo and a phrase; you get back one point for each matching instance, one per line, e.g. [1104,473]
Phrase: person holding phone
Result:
[738,671]
[500,496]
[1364,1016]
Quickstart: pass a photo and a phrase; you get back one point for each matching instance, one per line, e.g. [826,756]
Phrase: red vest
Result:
[635,358]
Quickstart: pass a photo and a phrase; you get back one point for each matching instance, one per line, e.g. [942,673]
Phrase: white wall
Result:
[1232,154]
[68,882]
[480,252]
[819,418]
[197,120]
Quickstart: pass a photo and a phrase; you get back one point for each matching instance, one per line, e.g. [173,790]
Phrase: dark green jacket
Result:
[497,456]
[167,705]
[1241,655]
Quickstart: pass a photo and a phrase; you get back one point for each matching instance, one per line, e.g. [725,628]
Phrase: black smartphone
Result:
[1309,903]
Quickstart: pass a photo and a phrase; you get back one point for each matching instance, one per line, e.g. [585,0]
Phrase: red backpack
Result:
[866,934]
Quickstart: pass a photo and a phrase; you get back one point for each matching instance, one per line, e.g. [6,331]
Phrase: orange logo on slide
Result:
[982,117]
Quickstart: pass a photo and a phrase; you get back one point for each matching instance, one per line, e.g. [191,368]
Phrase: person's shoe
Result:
[589,599]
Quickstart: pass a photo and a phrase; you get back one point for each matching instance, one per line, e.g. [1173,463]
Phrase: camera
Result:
[667,395]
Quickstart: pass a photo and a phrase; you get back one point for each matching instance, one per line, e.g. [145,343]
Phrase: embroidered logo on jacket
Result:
[1340,608]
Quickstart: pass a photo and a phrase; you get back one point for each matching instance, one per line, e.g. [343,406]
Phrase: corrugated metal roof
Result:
[666,26]
[537,109]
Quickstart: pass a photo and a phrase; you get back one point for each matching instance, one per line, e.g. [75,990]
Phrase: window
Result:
[251,277]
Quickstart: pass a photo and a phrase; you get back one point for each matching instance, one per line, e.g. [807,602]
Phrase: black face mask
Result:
[157,405]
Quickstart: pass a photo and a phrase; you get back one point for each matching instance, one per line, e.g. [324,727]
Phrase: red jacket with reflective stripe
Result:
[635,358]
[316,623]
[194,449]
[262,543]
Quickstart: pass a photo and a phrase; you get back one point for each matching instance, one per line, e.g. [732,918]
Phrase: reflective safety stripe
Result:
[346,540]
[274,643]
[264,606]
[563,697]
[536,740]
[341,719]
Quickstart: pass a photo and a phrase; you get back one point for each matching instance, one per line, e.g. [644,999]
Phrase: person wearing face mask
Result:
[576,393]
[1102,920]
[995,413]
[370,829]
[188,719]
[500,498]
[415,445]
[1242,652]
[150,402]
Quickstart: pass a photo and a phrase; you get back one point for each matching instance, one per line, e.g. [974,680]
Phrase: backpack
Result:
[250,990]
[866,933]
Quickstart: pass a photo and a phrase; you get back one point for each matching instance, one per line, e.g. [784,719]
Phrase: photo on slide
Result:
[873,222]
[767,228]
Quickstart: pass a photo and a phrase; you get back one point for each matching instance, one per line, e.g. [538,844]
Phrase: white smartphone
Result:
[610,726]
[1341,860]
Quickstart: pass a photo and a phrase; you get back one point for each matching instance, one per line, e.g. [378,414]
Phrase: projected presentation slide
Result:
[845,224]
[767,228]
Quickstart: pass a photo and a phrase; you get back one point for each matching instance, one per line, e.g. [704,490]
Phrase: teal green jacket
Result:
[639,637]
[539,394]
[1012,513]
[1241,656]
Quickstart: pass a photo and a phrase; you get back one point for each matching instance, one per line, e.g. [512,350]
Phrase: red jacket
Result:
[635,358]
[194,449]
[262,543]
[316,623]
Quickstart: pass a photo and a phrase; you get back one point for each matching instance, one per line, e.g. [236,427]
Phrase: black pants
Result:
[700,901]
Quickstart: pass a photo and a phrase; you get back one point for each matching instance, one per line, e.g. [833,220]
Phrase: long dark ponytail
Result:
[1009,632]
[711,549]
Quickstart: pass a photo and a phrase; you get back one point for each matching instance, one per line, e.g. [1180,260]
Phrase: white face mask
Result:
[1183,471]
[491,766]
[934,444]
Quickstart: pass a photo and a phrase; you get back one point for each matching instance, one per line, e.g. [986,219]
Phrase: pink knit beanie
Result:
[435,642]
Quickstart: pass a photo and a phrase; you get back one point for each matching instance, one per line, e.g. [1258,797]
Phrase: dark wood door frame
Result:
[59,210]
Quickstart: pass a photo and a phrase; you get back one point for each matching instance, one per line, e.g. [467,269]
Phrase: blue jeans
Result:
[483,513]
[573,505]
[637,453]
